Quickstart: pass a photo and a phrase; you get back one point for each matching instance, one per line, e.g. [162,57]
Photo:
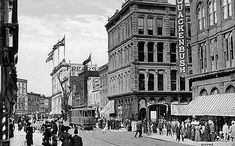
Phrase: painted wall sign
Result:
[181,37]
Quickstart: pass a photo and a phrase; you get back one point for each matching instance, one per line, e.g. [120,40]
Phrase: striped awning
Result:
[212,105]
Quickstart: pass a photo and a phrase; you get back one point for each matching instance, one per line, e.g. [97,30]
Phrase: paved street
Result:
[98,138]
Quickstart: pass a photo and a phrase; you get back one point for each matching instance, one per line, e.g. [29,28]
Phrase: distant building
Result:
[33,103]
[81,92]
[21,106]
[67,73]
[44,105]
[142,69]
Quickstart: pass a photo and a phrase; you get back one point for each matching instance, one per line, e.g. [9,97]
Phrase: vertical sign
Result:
[181,37]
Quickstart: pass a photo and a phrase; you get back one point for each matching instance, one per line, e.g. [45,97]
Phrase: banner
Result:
[181,37]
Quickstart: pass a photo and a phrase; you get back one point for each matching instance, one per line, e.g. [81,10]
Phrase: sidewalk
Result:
[189,142]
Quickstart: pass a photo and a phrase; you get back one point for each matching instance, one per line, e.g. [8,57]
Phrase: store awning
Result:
[212,105]
[108,109]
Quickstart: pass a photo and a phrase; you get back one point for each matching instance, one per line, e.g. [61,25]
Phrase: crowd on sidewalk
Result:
[194,130]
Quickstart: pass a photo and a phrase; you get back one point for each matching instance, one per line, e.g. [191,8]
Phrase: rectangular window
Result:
[150,51]
[225,9]
[160,52]
[160,81]
[189,28]
[141,81]
[141,25]
[141,51]
[150,26]
[189,54]
[172,27]
[229,8]
[182,84]
[210,13]
[173,52]
[173,80]
[214,11]
[159,26]
[151,82]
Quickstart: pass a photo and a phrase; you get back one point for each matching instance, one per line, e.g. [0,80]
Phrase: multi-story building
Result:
[21,106]
[213,47]
[68,75]
[103,72]
[81,91]
[33,103]
[142,66]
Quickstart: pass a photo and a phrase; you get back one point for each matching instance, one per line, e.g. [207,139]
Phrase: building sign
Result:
[95,83]
[176,109]
[75,69]
[153,115]
[181,37]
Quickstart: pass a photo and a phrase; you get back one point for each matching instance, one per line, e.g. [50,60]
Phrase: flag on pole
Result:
[60,43]
[87,60]
[50,56]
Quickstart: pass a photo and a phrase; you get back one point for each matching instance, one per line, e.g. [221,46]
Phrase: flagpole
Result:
[64,47]
[58,54]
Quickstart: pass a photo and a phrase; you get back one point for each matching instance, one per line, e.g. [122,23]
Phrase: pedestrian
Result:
[197,133]
[11,128]
[182,130]
[65,138]
[76,140]
[212,131]
[168,128]
[139,129]
[225,131]
[207,132]
[54,128]
[177,130]
[105,127]
[29,134]
[160,127]
[232,131]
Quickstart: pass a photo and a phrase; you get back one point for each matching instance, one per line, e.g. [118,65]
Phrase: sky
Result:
[43,22]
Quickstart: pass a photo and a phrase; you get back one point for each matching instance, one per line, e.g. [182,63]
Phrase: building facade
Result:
[66,75]
[103,72]
[142,66]
[93,91]
[21,106]
[33,103]
[213,47]
[81,91]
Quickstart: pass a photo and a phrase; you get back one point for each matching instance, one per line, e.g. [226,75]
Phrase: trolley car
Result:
[83,117]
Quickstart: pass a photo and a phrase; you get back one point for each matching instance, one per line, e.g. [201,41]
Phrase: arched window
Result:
[227,8]
[230,89]
[203,92]
[215,91]
[212,12]
[150,82]
[201,16]
[173,79]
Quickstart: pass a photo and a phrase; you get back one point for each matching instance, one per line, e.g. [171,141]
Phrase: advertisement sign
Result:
[75,69]
[95,83]
[181,37]
[153,115]
[176,109]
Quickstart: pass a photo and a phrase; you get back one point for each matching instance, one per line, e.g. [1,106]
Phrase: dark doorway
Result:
[142,114]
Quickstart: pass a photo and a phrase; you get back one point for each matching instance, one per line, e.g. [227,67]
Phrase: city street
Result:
[98,138]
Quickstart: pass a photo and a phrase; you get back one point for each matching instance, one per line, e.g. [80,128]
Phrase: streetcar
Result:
[83,117]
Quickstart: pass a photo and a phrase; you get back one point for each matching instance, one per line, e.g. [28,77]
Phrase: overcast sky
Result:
[43,22]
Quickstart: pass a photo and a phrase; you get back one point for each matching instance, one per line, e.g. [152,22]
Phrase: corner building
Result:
[213,47]
[142,66]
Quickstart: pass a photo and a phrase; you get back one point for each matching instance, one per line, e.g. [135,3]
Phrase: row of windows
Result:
[212,12]
[148,81]
[211,63]
[229,89]
[149,57]
[22,87]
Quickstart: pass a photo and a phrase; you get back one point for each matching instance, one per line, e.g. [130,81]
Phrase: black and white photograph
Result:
[117,73]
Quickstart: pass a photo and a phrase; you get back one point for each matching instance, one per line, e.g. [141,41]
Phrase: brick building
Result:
[213,47]
[142,66]
[33,103]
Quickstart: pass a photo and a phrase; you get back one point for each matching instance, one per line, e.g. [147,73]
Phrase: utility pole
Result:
[8,60]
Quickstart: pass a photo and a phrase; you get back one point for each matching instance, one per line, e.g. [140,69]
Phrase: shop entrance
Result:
[158,111]
[142,114]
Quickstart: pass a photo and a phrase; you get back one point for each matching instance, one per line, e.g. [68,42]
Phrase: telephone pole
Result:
[8,60]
